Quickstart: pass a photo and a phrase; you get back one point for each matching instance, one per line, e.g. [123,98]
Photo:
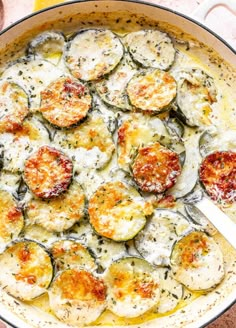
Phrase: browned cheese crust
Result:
[65,102]
[156,168]
[48,172]
[218,175]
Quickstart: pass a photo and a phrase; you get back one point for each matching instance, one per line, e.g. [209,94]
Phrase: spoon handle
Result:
[221,221]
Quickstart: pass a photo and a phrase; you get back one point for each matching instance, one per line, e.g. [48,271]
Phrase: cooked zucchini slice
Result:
[152,90]
[133,287]
[39,234]
[218,175]
[47,45]
[105,250]
[188,178]
[77,297]
[33,76]
[156,168]
[197,261]
[48,172]
[14,106]
[151,48]
[112,89]
[90,144]
[21,143]
[196,92]
[117,211]
[135,132]
[156,240]
[26,270]
[69,254]
[93,53]
[11,218]
[65,102]
[60,213]
[171,291]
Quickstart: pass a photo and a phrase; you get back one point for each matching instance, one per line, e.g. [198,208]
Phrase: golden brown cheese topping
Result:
[48,172]
[60,213]
[218,175]
[117,211]
[152,91]
[14,106]
[11,217]
[65,102]
[26,269]
[69,254]
[156,168]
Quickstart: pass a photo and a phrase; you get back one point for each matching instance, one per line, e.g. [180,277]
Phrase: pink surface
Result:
[225,27]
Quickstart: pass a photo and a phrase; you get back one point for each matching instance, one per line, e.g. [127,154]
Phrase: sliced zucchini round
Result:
[156,168]
[20,144]
[26,270]
[11,218]
[112,89]
[217,173]
[47,45]
[105,250]
[188,178]
[133,287]
[48,172]
[65,102]
[69,254]
[117,211]
[14,106]
[152,90]
[197,261]
[135,132]
[90,144]
[39,234]
[91,54]
[171,291]
[151,48]
[60,213]
[156,240]
[196,92]
[33,76]
[77,297]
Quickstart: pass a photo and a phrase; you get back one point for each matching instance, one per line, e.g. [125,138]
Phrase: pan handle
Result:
[201,12]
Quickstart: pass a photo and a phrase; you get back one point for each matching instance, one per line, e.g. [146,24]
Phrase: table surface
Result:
[15,9]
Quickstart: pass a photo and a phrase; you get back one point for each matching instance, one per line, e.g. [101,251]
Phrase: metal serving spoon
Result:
[218,218]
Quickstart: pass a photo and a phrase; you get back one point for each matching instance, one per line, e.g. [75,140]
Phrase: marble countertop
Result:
[15,9]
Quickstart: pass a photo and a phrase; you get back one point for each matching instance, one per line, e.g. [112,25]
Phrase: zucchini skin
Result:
[65,102]
[21,275]
[132,287]
[99,68]
[217,174]
[197,262]
[116,214]
[145,91]
[156,168]
[156,240]
[77,297]
[49,184]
